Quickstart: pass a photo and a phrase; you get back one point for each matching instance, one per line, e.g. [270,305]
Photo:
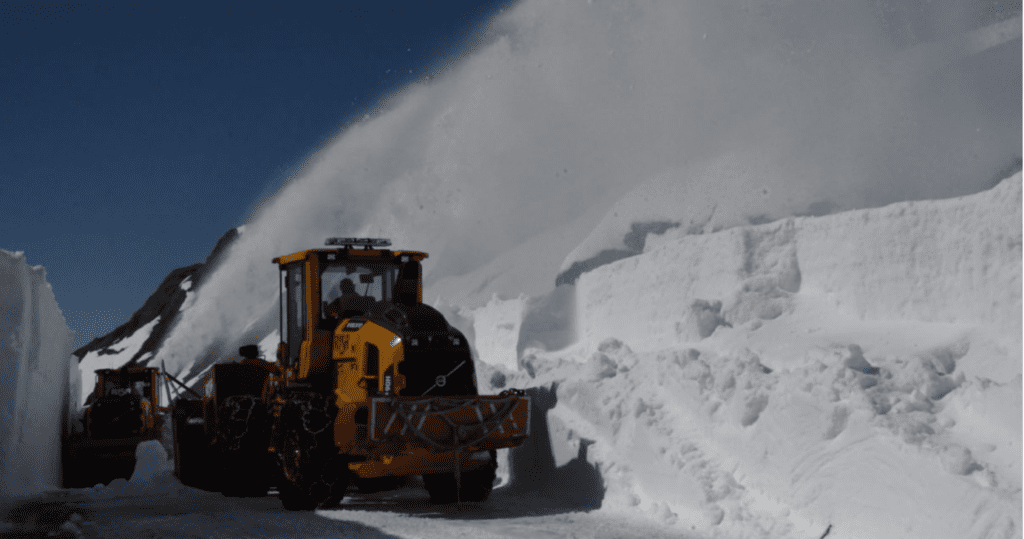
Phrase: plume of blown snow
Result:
[568,105]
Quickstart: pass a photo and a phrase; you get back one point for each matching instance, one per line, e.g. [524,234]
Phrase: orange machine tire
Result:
[243,438]
[313,474]
[193,460]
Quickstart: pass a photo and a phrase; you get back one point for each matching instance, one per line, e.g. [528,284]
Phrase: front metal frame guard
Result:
[468,401]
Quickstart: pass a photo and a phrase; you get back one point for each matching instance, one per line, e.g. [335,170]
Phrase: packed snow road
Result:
[181,512]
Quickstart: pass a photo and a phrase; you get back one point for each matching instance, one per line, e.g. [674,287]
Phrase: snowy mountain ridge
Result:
[136,341]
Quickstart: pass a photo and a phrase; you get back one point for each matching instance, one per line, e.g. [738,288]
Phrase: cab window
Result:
[372,281]
[295,310]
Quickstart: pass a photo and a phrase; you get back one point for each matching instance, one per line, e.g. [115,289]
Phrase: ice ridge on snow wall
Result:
[35,361]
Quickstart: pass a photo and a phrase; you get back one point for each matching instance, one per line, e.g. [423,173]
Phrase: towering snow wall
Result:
[35,361]
[853,375]
[955,260]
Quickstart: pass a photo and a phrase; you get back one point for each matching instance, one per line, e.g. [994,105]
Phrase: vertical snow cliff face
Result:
[954,260]
[857,372]
[35,359]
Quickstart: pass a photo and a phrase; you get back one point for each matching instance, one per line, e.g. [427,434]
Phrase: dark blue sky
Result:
[133,136]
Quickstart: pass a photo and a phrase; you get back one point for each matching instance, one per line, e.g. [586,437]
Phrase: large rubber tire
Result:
[476,485]
[193,459]
[313,474]
[243,438]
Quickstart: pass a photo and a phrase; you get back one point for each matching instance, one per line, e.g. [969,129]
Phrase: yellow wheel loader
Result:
[124,412]
[370,387]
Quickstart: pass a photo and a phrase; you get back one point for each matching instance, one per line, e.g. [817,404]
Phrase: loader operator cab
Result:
[123,402]
[126,381]
[350,278]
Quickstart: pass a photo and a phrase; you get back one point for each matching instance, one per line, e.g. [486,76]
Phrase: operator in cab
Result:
[349,300]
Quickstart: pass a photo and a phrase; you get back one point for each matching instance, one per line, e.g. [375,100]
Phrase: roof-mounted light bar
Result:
[367,243]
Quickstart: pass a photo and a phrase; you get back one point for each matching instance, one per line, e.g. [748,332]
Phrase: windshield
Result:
[117,383]
[370,280]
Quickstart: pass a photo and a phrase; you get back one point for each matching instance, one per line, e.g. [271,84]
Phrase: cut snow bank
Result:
[955,260]
[858,373]
[35,362]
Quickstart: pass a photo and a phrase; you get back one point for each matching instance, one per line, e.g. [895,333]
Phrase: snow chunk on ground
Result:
[153,476]
[151,462]
[716,439]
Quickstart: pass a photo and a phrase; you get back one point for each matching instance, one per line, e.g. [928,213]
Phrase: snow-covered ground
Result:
[35,365]
[154,504]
